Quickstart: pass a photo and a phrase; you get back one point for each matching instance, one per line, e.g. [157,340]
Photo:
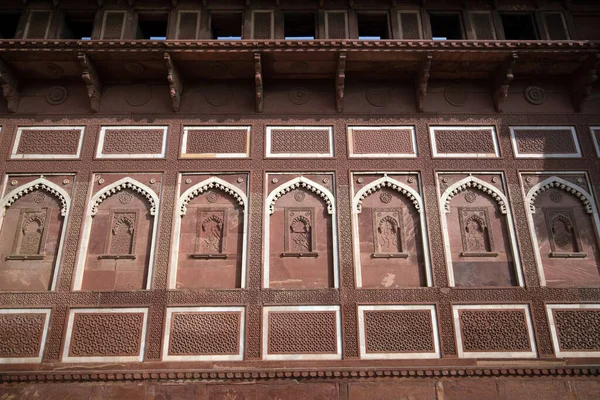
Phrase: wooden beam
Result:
[422,81]
[502,79]
[340,78]
[11,87]
[258,83]
[582,80]
[92,81]
[175,82]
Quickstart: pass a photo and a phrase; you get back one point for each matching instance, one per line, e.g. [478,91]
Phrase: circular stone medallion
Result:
[218,95]
[57,95]
[379,96]
[139,94]
[299,95]
[535,95]
[456,95]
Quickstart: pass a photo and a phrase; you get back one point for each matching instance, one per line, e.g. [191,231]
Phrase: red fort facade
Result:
[308,199]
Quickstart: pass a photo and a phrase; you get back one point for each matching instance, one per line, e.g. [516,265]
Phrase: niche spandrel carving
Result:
[476,234]
[563,234]
[299,233]
[388,233]
[122,235]
[31,237]
[211,234]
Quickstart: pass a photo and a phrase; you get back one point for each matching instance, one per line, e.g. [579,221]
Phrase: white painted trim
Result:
[405,190]
[184,140]
[270,154]
[513,140]
[396,356]
[101,137]
[55,191]
[554,333]
[476,183]
[497,354]
[188,195]
[14,155]
[38,358]
[94,202]
[306,356]
[352,154]
[327,12]
[300,181]
[436,154]
[106,12]
[179,21]
[596,144]
[106,359]
[204,310]
[272,23]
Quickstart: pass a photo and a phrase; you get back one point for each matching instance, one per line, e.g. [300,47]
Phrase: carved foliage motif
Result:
[562,230]
[578,329]
[211,231]
[21,334]
[388,229]
[121,237]
[494,330]
[204,333]
[32,234]
[106,334]
[302,332]
[399,331]
[475,230]
[300,237]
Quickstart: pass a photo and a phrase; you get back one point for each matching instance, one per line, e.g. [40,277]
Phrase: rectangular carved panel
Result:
[575,329]
[545,142]
[476,233]
[299,141]
[23,335]
[563,233]
[31,237]
[132,142]
[300,238]
[494,331]
[216,142]
[464,142]
[48,142]
[211,232]
[388,233]
[382,141]
[120,241]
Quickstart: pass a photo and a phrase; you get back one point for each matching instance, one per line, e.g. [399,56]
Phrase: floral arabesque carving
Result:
[556,182]
[304,183]
[123,184]
[388,182]
[38,184]
[207,185]
[472,182]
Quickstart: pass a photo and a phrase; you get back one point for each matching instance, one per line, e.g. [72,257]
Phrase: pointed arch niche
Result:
[391,249]
[119,233]
[210,233]
[33,220]
[478,230]
[300,232]
[563,221]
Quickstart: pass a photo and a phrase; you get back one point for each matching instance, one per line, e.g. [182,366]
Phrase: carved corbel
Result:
[92,81]
[258,83]
[175,82]
[502,79]
[422,81]
[340,77]
[11,87]
[582,80]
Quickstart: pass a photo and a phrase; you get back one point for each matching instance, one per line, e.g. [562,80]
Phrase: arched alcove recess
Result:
[300,236]
[564,225]
[210,237]
[390,240]
[117,247]
[31,235]
[479,235]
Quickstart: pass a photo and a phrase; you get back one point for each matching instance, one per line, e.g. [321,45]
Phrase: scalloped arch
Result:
[40,183]
[303,182]
[392,183]
[125,183]
[211,183]
[475,183]
[557,182]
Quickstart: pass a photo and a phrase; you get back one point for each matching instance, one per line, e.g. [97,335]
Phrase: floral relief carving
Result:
[563,233]
[388,229]
[106,334]
[578,330]
[305,184]
[300,236]
[472,182]
[32,233]
[390,183]
[477,238]
[212,228]
[122,234]
[21,334]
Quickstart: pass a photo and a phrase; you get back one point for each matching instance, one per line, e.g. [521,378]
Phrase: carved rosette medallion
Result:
[134,68]
[212,196]
[39,197]
[57,95]
[139,94]
[456,95]
[556,196]
[385,197]
[299,196]
[218,95]
[535,95]
[125,197]
[379,96]
[470,196]
[299,95]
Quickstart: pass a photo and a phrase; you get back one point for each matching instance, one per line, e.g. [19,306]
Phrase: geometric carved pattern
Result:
[545,142]
[406,331]
[460,141]
[384,141]
[299,141]
[204,333]
[21,334]
[215,142]
[575,329]
[132,142]
[48,142]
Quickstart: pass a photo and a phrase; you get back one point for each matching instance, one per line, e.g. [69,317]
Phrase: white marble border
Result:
[184,154]
[100,147]
[508,215]
[204,310]
[422,218]
[554,333]
[497,354]
[352,154]
[513,140]
[267,218]
[436,154]
[29,360]
[109,359]
[14,155]
[269,130]
[306,356]
[172,284]
[596,144]
[396,356]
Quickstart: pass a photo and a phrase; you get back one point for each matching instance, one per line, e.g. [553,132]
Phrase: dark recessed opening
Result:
[152,26]
[299,25]
[373,26]
[519,27]
[445,27]
[226,26]
[8,25]
[79,26]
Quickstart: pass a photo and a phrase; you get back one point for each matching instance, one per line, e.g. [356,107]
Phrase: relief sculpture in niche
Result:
[477,239]
[121,237]
[563,234]
[300,237]
[31,237]
[388,233]
[211,233]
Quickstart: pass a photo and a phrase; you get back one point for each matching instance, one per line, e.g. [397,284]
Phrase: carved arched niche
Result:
[301,243]
[31,236]
[567,241]
[210,254]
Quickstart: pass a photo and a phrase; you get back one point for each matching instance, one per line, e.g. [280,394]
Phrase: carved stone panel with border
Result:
[545,142]
[48,142]
[132,142]
[575,329]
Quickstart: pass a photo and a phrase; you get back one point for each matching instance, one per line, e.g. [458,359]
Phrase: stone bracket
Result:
[175,82]
[340,77]
[422,81]
[582,80]
[502,79]
[92,81]
[258,83]
[11,87]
